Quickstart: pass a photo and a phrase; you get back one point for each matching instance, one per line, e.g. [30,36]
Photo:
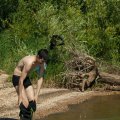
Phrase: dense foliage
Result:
[91,26]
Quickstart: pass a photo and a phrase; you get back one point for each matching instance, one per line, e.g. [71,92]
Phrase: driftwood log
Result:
[110,78]
[113,88]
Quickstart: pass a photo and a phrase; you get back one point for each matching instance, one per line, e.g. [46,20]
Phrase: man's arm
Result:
[24,73]
[39,83]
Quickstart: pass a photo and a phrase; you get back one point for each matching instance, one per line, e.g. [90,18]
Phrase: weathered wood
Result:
[113,88]
[110,78]
[82,66]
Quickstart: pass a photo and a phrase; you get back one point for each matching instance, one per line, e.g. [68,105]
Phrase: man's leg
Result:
[30,93]
[27,94]
[31,98]
[24,96]
[25,113]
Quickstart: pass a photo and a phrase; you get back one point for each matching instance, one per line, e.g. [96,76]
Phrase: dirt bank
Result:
[50,100]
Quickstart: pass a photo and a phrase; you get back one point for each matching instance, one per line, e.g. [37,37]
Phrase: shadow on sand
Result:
[8,119]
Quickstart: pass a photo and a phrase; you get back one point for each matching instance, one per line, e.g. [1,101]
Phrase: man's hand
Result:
[36,98]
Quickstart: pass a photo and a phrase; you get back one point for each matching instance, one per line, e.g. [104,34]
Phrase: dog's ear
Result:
[53,44]
[56,40]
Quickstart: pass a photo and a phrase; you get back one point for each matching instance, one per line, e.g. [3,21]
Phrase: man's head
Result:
[42,55]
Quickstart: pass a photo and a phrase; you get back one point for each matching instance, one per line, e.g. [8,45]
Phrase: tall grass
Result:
[90,26]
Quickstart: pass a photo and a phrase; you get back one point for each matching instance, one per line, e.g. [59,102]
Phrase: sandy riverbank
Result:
[51,100]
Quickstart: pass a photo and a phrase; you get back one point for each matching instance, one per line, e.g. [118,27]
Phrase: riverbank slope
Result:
[51,100]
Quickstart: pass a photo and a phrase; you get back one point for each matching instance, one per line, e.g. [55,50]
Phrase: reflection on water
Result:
[97,108]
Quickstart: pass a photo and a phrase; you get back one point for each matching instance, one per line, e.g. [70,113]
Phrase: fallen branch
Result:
[110,78]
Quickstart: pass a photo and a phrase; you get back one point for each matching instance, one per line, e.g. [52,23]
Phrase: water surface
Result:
[96,108]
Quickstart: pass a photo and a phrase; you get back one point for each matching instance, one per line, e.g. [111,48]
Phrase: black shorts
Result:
[26,82]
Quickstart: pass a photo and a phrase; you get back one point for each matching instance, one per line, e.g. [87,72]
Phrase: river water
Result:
[96,108]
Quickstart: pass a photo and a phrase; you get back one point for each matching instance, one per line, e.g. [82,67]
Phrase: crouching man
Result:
[27,97]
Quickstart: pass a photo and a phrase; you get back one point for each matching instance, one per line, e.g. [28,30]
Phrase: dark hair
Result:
[43,53]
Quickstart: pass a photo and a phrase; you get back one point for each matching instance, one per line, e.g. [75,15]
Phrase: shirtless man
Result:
[27,98]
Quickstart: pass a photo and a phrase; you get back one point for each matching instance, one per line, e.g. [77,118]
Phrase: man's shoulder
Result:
[28,61]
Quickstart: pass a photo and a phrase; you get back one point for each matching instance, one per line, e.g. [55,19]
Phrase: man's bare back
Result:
[26,61]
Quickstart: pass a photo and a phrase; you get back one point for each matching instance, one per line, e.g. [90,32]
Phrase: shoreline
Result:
[50,101]
[62,105]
